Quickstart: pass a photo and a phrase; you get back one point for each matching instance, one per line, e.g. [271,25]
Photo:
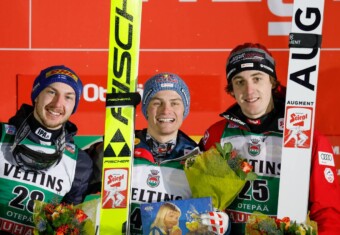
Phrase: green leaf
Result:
[219,148]
[241,174]
[225,150]
[227,147]
[251,176]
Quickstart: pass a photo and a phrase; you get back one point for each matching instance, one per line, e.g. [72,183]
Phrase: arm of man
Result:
[324,194]
[212,135]
[81,179]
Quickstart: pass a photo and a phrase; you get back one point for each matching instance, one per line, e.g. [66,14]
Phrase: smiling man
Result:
[38,157]
[254,126]
[159,147]
[160,152]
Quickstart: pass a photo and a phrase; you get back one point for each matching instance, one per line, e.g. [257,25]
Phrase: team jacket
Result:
[260,141]
[152,182]
[67,181]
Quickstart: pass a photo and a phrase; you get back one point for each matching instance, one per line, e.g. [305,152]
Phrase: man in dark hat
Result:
[254,126]
[38,157]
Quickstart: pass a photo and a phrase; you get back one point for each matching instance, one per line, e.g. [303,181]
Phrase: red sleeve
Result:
[324,194]
[212,135]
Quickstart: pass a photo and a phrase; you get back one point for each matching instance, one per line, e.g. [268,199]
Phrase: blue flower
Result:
[41,225]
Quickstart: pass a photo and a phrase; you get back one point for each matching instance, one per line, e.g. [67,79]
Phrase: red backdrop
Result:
[189,37]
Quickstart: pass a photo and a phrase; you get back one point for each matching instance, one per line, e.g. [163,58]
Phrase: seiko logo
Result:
[43,134]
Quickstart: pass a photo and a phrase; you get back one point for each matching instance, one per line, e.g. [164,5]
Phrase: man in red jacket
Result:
[254,125]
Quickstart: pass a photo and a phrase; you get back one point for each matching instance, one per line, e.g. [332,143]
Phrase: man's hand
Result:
[216,221]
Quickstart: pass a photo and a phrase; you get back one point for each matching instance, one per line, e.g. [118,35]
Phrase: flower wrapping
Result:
[64,219]
[219,173]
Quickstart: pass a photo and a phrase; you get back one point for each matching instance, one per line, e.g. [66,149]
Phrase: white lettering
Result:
[252,207]
[93,92]
[281,9]
[21,217]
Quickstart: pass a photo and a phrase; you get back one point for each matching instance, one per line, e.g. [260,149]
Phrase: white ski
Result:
[305,43]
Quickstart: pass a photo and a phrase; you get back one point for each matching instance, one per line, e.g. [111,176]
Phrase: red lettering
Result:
[295,117]
[238,217]
[114,179]
[15,228]
[7,226]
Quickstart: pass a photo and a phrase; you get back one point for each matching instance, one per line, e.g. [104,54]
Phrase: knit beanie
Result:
[165,81]
[58,73]
[250,56]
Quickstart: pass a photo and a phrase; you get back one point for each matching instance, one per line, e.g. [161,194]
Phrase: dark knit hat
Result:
[250,56]
[58,73]
[165,81]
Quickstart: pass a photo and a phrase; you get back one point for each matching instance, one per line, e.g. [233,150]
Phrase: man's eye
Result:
[239,82]
[156,103]
[70,97]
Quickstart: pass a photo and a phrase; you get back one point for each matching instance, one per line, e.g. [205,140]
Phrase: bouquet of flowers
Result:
[64,219]
[219,173]
[259,223]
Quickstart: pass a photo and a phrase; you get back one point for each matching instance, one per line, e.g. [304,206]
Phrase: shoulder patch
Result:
[9,129]
[206,137]
[329,175]
[70,147]
[280,124]
[326,159]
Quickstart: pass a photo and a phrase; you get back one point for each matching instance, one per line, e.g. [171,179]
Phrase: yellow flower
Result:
[55,215]
[192,226]
[301,230]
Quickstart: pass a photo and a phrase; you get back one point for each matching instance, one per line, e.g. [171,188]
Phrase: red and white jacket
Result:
[260,141]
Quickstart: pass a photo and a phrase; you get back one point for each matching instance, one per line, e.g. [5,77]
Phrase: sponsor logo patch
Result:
[297,133]
[254,147]
[10,130]
[43,134]
[281,124]
[329,176]
[247,65]
[70,147]
[205,137]
[62,72]
[115,188]
[153,179]
[326,159]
